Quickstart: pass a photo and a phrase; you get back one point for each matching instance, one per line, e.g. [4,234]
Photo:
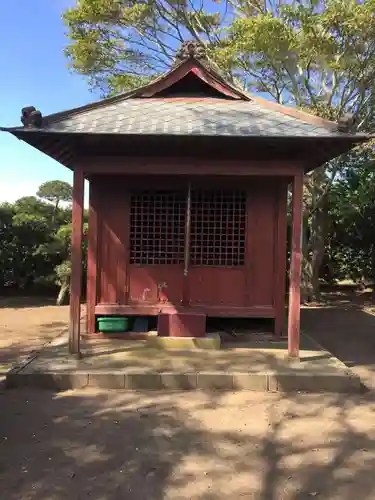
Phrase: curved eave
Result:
[313,150]
[59,146]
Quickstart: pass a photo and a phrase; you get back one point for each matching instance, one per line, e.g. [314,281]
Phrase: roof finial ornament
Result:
[347,123]
[191,49]
[31,118]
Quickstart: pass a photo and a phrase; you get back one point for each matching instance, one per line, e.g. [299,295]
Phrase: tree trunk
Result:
[318,231]
[55,209]
[306,274]
[366,279]
[373,263]
[62,293]
[314,245]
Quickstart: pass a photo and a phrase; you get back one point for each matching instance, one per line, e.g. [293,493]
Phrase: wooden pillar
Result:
[76,257]
[92,259]
[185,291]
[295,268]
[280,256]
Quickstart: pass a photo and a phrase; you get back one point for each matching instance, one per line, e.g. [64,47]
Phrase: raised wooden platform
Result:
[213,311]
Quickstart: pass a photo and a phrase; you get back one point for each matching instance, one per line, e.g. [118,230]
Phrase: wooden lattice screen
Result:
[157,227]
[217,234]
[218,228]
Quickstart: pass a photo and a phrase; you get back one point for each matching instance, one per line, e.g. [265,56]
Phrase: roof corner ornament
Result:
[347,123]
[31,118]
[191,49]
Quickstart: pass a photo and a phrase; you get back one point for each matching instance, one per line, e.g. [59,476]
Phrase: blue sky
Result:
[34,73]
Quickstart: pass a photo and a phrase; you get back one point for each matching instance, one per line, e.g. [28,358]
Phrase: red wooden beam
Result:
[295,268]
[185,166]
[154,310]
[76,278]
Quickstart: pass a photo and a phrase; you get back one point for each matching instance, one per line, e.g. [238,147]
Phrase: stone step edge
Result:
[260,382]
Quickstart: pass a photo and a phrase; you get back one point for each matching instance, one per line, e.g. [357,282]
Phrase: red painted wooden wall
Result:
[255,289]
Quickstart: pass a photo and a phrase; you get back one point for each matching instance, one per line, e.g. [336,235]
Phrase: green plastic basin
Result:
[113,324]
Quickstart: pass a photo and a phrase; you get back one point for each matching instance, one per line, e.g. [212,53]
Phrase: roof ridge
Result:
[281,108]
[192,59]
[52,118]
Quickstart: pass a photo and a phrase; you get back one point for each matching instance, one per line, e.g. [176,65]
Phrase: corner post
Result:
[76,259]
[295,268]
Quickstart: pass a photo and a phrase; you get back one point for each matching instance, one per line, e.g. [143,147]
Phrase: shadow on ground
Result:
[21,302]
[348,333]
[197,445]
[140,446]
[14,351]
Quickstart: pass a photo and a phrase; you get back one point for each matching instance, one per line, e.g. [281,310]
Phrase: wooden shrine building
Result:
[188,180]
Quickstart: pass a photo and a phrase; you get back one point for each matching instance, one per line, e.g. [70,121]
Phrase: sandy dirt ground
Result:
[25,325]
[345,326]
[143,446]
[105,445]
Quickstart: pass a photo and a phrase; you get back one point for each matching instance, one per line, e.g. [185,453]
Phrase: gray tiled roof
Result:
[186,117]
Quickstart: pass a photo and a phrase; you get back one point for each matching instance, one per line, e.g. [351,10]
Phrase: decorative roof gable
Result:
[191,66]
[193,98]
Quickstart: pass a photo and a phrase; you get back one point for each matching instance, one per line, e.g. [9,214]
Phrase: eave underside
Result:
[311,152]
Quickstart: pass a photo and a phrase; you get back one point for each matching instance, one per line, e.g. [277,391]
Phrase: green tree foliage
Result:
[35,241]
[351,234]
[22,235]
[31,205]
[55,192]
[120,44]
[311,53]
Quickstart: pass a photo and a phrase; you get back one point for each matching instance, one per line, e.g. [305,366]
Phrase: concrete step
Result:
[293,381]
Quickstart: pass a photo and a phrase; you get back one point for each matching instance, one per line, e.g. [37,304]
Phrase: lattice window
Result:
[157,227]
[218,228]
